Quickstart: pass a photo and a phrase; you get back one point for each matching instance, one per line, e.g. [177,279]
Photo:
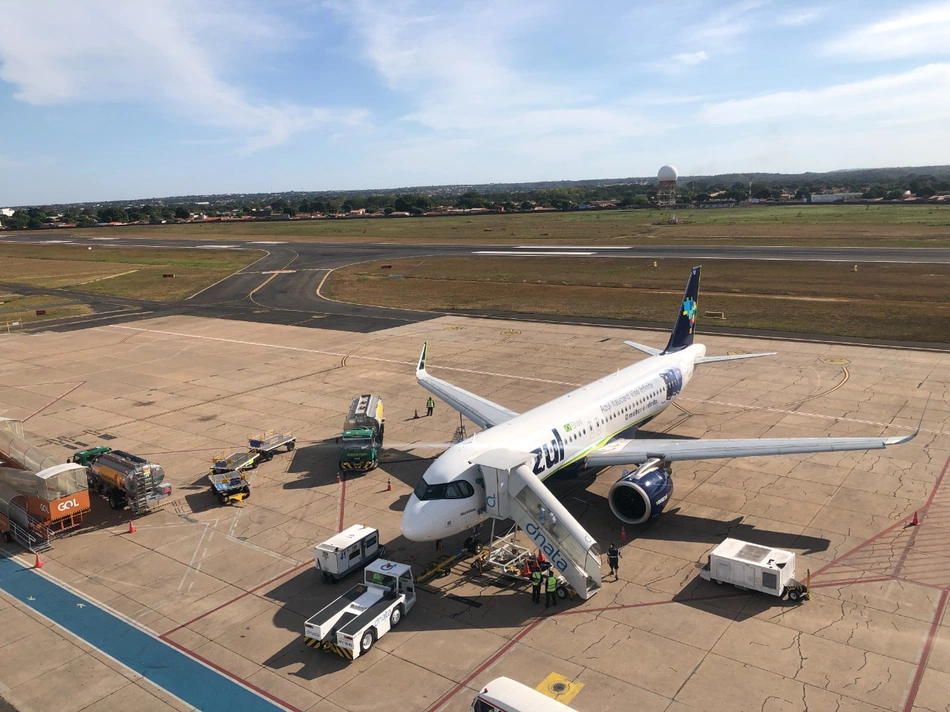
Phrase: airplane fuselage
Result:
[555,435]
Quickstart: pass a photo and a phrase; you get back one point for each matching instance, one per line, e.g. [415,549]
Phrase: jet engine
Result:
[641,495]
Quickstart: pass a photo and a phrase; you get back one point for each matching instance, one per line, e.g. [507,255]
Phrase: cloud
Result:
[922,93]
[690,58]
[166,52]
[797,19]
[921,31]
[460,70]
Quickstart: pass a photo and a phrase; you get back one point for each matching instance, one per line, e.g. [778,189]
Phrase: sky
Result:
[114,100]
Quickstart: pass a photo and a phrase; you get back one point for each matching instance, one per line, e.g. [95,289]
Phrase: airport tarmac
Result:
[222,592]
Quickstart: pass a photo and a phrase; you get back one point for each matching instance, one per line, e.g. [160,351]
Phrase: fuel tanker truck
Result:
[124,479]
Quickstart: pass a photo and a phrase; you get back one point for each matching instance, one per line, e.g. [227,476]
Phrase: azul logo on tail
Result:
[689,311]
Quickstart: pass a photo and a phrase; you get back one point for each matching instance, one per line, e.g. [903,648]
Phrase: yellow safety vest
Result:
[552,583]
[536,578]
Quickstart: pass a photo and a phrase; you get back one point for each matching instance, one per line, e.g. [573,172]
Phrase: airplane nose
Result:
[416,524]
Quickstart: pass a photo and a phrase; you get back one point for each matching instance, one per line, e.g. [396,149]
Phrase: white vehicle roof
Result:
[57,470]
[390,568]
[512,695]
[346,537]
[752,553]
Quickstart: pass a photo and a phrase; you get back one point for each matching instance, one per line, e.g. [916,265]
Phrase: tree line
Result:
[885,184]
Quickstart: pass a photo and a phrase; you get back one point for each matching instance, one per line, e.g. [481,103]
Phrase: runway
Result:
[281,288]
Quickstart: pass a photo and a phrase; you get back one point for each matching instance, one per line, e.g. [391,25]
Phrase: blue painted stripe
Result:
[167,667]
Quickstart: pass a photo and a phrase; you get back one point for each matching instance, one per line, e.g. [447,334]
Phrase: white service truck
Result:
[344,553]
[754,567]
[352,623]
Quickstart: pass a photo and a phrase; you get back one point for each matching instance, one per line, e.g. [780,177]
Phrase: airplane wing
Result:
[479,410]
[636,452]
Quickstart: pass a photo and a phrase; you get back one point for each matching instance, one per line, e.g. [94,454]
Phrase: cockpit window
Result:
[459,489]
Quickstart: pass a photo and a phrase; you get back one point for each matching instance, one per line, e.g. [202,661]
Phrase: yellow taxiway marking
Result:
[559,688]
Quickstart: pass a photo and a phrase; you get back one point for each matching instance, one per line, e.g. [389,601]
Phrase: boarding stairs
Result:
[35,536]
[512,491]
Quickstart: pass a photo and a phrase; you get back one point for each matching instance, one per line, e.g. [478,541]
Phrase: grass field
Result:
[119,271]
[879,301]
[809,225]
[18,309]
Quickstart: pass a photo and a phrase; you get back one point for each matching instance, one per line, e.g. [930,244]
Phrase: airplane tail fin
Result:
[682,335]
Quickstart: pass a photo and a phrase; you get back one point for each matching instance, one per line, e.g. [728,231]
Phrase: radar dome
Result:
[666,173]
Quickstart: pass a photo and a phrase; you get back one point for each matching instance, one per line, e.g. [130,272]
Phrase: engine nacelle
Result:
[641,495]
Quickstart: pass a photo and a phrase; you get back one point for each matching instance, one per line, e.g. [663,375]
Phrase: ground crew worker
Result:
[430,404]
[613,559]
[535,585]
[550,590]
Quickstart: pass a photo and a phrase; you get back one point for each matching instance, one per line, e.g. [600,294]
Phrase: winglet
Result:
[908,438]
[421,368]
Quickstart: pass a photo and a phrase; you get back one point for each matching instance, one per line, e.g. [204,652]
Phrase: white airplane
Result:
[581,429]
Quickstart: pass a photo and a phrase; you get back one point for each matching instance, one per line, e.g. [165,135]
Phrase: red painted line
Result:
[164,636]
[342,499]
[241,680]
[52,402]
[505,648]
[484,666]
[928,646]
[851,582]
[891,528]
[698,599]
[933,493]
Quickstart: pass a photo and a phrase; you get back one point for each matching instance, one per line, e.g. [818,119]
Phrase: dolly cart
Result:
[268,444]
[230,487]
[507,559]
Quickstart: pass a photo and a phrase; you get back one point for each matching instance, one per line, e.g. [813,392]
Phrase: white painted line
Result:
[111,276]
[193,556]
[56,242]
[280,271]
[533,254]
[105,238]
[572,247]
[266,242]
[214,247]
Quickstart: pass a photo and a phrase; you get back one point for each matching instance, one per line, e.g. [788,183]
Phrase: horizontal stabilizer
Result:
[645,349]
[733,357]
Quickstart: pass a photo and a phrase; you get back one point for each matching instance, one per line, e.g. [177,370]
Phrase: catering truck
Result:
[754,567]
[350,625]
[362,434]
[344,553]
[123,478]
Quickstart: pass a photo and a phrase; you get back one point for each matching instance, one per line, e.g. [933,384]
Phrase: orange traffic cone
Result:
[131,527]
[389,485]
[416,416]
[623,534]
[915,521]
[39,562]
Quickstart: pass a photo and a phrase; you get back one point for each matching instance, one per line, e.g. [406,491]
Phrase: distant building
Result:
[717,204]
[833,197]
[7,212]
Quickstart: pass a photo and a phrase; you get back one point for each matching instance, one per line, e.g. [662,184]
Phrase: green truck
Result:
[363,434]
